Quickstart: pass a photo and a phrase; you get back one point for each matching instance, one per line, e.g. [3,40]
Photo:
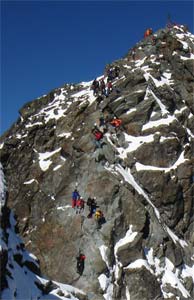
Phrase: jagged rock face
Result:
[20,271]
[143,177]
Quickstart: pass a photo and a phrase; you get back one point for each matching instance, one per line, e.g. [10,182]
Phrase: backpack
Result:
[82,202]
[98,214]
[98,135]
[79,202]
[118,122]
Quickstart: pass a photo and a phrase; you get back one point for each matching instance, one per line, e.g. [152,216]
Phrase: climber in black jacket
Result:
[80,263]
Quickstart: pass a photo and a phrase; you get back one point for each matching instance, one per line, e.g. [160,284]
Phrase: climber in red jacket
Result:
[80,205]
[98,135]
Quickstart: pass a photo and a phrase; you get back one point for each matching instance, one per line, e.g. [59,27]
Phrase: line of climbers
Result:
[78,204]
[101,88]
[77,201]
[98,216]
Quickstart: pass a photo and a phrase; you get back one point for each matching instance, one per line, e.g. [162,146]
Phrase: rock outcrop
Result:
[142,176]
[20,271]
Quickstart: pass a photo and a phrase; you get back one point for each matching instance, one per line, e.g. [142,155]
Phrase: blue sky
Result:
[45,44]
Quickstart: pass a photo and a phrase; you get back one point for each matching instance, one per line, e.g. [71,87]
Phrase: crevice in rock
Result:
[146,228]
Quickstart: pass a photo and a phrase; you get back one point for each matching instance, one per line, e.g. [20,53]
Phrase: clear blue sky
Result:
[45,44]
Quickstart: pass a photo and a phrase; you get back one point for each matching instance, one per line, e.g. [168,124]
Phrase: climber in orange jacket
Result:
[116,122]
[148,32]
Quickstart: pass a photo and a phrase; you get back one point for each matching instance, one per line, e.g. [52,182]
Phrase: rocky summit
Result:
[141,174]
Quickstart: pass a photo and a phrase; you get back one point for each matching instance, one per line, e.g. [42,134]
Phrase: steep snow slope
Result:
[142,176]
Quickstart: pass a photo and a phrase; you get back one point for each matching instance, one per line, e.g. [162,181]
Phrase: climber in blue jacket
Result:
[75,197]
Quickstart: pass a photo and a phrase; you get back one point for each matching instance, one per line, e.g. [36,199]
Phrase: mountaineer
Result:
[102,86]
[108,88]
[148,32]
[95,87]
[103,124]
[80,263]
[92,206]
[80,205]
[100,219]
[98,135]
[75,197]
[116,123]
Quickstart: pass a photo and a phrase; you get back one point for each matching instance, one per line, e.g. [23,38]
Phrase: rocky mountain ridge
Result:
[143,176]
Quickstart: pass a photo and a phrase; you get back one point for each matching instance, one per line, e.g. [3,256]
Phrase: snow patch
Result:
[33,124]
[44,161]
[190,133]
[57,167]
[165,271]
[134,142]
[127,293]
[3,188]
[30,181]
[161,122]
[161,105]
[161,82]
[129,237]
[103,251]
[139,63]
[65,134]
[187,58]
[175,238]
[127,67]
[139,263]
[180,160]
[131,111]
[64,207]
[103,280]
